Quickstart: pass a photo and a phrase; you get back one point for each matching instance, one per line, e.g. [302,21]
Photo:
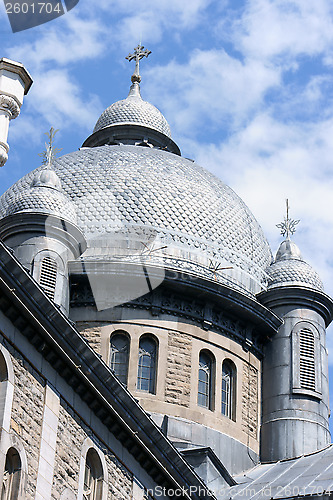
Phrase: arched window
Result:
[93,476]
[205,384]
[48,276]
[11,476]
[119,355]
[147,364]
[228,389]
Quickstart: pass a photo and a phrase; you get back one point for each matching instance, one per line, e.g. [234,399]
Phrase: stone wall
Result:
[26,424]
[27,415]
[70,438]
[250,400]
[72,432]
[91,331]
[178,376]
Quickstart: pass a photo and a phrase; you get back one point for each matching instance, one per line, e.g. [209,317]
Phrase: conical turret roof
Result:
[289,268]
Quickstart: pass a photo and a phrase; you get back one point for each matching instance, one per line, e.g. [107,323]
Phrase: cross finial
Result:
[288,226]
[50,153]
[139,53]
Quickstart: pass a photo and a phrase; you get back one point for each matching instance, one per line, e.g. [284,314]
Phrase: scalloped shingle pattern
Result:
[293,271]
[133,110]
[112,186]
[43,200]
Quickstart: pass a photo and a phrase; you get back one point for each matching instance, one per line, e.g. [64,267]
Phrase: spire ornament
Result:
[288,226]
[139,53]
[51,152]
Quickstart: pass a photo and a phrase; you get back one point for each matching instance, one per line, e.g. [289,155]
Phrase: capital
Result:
[10,106]
[3,153]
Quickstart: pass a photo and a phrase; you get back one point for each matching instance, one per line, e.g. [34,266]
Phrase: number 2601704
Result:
[33,8]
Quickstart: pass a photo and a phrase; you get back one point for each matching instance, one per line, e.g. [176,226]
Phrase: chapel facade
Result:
[150,342]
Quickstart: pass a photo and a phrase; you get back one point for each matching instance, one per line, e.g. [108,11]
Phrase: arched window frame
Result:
[228,389]
[9,440]
[11,480]
[144,358]
[306,360]
[87,446]
[6,388]
[206,380]
[120,367]
[55,291]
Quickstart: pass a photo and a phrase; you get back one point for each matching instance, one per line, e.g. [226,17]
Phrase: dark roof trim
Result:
[237,304]
[133,132]
[213,458]
[55,337]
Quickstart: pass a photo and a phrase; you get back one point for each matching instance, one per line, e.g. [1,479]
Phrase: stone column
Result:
[15,82]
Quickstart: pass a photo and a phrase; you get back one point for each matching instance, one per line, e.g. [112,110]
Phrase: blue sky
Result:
[247,87]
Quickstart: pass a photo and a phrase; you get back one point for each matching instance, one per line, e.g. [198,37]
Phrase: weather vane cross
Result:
[139,53]
[288,226]
[50,153]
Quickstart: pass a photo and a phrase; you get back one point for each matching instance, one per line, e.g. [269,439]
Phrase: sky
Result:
[246,86]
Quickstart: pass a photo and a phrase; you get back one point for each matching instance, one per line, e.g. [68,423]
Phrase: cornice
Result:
[133,133]
[45,225]
[208,304]
[19,69]
[301,296]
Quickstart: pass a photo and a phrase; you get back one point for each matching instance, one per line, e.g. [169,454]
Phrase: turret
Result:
[295,367]
[40,226]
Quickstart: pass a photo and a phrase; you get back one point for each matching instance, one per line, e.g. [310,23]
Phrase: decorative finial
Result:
[139,53]
[50,153]
[288,226]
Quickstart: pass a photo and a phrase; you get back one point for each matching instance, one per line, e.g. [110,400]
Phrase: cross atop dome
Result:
[288,226]
[50,153]
[139,53]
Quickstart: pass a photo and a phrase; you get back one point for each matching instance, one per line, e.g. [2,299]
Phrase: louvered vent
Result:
[48,276]
[307,359]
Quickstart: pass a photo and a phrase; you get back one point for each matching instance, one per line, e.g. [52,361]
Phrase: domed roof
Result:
[44,196]
[289,268]
[200,219]
[133,111]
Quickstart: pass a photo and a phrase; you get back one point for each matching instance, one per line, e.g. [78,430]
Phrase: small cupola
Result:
[45,194]
[132,120]
[289,268]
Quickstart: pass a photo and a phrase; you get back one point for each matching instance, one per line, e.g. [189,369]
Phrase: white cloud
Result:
[164,12]
[68,41]
[269,28]
[211,88]
[59,100]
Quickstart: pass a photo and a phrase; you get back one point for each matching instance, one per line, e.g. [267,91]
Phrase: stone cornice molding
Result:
[209,305]
[45,225]
[299,296]
[19,69]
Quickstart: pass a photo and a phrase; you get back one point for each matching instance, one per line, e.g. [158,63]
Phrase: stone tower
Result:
[295,366]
